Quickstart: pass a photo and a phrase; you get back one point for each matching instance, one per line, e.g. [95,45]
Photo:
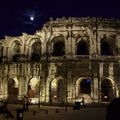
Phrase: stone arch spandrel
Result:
[52,38]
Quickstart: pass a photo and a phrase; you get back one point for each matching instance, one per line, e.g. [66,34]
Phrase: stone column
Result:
[111,75]
[69,85]
[4,88]
[118,42]
[95,90]
[22,86]
[100,78]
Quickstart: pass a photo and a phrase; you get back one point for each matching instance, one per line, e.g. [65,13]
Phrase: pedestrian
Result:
[83,102]
[25,103]
[113,110]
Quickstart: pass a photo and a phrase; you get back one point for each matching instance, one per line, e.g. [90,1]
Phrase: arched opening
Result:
[34,90]
[85,86]
[82,48]
[105,48]
[57,92]
[106,90]
[36,52]
[16,56]
[83,89]
[12,89]
[58,48]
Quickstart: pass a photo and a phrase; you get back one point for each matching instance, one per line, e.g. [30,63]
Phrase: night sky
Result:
[15,14]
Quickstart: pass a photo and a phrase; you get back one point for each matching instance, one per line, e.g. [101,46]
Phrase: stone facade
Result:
[67,59]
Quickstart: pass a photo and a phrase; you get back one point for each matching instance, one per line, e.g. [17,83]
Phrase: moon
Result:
[31,18]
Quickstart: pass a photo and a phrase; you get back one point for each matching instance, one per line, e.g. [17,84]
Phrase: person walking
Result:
[25,103]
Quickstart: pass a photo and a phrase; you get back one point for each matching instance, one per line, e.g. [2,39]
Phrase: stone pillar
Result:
[73,45]
[4,88]
[99,44]
[111,75]
[69,85]
[22,86]
[95,89]
[110,71]
[47,92]
[45,88]
[100,78]
[118,42]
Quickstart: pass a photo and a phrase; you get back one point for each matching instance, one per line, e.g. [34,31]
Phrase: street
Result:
[58,113]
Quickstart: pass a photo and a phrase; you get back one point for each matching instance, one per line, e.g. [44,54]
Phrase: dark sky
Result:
[15,14]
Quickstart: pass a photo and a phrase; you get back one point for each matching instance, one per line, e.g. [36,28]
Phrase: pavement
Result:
[57,113]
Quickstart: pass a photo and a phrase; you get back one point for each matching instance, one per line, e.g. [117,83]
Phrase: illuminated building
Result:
[67,59]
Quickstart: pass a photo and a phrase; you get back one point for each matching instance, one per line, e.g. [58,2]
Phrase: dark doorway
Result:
[105,48]
[85,86]
[106,90]
[35,57]
[58,48]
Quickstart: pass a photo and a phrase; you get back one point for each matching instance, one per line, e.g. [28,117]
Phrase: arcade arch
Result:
[106,48]
[34,88]
[83,89]
[12,89]
[57,90]
[36,51]
[58,46]
[107,90]
[82,48]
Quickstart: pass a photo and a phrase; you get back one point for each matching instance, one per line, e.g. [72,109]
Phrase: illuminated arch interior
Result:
[57,90]
[83,89]
[34,87]
[13,89]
